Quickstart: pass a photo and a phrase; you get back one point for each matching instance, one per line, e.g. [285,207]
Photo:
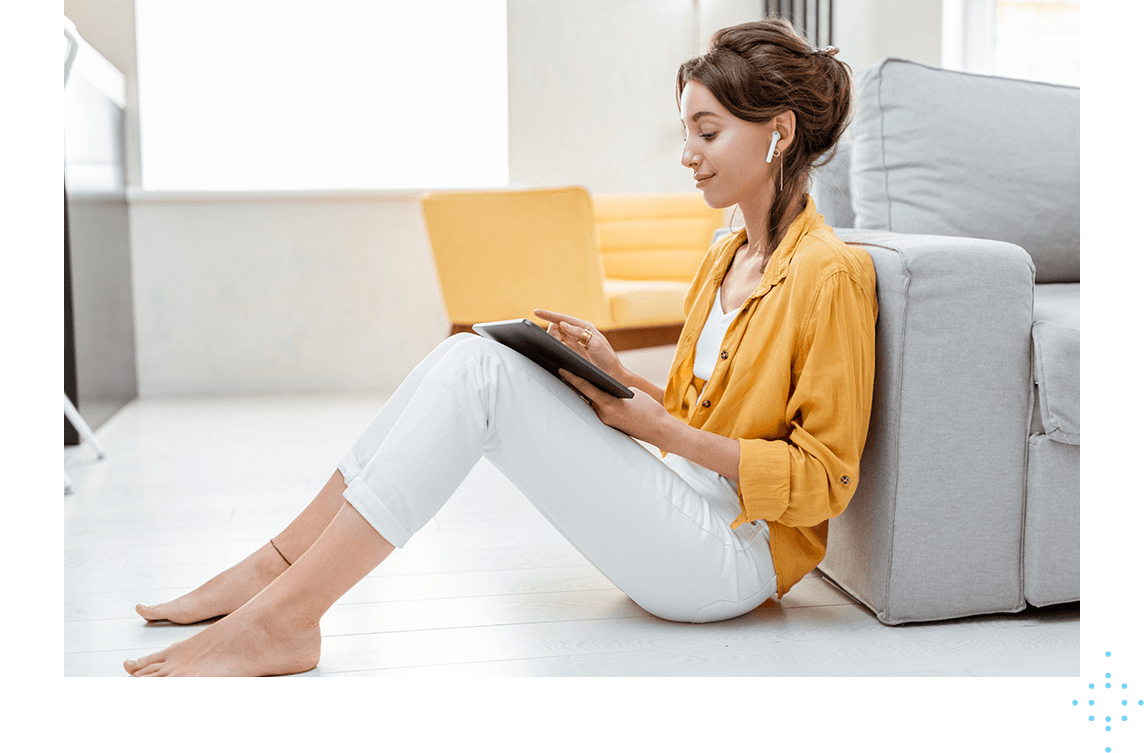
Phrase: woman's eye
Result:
[704,136]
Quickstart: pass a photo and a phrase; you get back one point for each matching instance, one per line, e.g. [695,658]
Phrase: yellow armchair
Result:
[622,262]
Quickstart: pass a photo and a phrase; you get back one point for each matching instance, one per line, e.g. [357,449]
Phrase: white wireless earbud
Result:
[775,136]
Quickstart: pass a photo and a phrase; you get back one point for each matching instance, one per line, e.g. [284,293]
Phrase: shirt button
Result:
[723,355]
[846,479]
[706,403]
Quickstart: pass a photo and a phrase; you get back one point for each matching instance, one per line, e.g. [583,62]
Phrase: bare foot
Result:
[253,641]
[223,593]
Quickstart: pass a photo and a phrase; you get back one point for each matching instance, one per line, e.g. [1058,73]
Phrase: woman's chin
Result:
[714,201]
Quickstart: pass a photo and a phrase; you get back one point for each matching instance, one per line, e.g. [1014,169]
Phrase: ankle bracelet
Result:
[280,554]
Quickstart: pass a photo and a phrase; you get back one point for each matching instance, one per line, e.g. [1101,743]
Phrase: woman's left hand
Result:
[642,416]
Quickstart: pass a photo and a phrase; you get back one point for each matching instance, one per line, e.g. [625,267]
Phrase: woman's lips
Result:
[699,179]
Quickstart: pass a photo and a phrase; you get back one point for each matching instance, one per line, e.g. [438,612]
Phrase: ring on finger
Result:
[585,338]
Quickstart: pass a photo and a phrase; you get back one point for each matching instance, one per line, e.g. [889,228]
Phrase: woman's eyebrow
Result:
[701,114]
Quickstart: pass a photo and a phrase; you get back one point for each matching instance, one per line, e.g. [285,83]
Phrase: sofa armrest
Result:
[934,529]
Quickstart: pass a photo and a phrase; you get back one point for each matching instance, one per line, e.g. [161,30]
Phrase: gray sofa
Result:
[965,191]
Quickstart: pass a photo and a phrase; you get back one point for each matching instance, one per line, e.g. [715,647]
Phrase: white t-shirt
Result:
[710,343]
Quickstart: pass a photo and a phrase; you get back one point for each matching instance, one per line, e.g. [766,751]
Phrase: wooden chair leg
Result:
[459,329]
[630,338]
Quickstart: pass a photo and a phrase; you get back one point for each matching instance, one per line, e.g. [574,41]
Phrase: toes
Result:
[139,667]
[143,671]
[146,612]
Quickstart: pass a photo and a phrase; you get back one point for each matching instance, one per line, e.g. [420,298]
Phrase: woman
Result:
[762,422]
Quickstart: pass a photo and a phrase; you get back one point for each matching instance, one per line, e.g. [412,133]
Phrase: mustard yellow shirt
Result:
[793,383]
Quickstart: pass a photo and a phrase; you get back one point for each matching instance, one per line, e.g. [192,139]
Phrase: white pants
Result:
[632,514]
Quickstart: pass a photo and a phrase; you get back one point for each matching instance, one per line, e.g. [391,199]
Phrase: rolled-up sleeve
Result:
[810,476]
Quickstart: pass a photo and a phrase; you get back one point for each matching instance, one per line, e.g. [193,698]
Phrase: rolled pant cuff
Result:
[376,513]
[349,468]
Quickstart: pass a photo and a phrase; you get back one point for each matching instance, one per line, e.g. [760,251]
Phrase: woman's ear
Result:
[785,124]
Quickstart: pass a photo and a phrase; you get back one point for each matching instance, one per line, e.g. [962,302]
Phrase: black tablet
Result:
[531,341]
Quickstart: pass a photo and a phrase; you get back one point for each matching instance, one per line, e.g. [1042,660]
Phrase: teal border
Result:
[807,714]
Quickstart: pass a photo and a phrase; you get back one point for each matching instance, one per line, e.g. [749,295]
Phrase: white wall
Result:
[246,293]
[869,30]
[592,89]
[327,291]
[592,93]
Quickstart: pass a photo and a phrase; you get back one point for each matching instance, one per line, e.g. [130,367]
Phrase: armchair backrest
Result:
[654,236]
[501,254]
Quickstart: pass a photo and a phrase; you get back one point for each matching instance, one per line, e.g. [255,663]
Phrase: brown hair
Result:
[761,68]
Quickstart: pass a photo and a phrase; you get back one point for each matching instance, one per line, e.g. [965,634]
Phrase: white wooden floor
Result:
[191,485]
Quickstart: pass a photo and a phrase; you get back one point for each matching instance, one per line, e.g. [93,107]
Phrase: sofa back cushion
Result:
[1056,360]
[830,186]
[949,153]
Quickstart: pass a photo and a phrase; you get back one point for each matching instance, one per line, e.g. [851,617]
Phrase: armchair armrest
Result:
[934,529]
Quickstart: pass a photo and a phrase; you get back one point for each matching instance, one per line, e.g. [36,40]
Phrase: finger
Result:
[584,387]
[567,379]
[550,316]
[557,332]
[553,316]
[575,333]
[554,321]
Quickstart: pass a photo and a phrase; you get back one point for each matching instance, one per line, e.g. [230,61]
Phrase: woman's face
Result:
[728,156]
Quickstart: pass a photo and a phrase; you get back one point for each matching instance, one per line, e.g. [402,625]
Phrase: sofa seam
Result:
[1022,601]
[1047,415]
[885,610]
[882,147]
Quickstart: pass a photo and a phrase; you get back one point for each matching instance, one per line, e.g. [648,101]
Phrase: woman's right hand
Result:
[595,347]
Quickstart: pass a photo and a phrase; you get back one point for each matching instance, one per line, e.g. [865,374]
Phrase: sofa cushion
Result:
[950,153]
[1056,360]
[637,303]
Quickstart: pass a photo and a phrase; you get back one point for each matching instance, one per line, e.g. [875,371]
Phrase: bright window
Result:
[336,94]
[1030,39]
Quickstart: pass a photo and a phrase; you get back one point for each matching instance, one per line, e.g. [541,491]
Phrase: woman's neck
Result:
[756,217]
